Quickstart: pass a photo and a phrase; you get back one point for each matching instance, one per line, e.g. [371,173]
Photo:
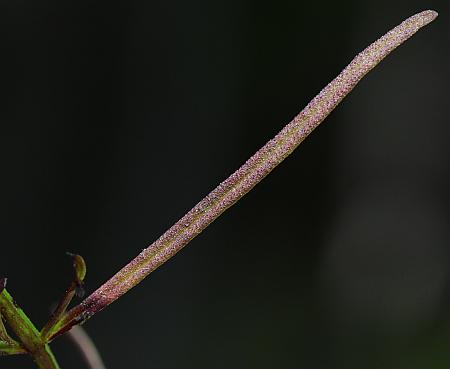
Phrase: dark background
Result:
[117,118]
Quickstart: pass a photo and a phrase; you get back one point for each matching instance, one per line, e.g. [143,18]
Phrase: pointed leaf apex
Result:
[2,284]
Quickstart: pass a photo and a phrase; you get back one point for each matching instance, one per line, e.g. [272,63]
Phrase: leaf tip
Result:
[79,265]
[2,284]
[428,16]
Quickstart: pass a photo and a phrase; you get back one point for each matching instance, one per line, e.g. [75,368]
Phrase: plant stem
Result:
[59,311]
[44,358]
[246,177]
[27,333]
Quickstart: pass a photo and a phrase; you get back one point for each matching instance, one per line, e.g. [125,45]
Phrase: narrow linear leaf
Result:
[246,177]
[7,348]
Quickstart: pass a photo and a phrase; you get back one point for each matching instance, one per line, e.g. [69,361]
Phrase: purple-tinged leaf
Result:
[246,177]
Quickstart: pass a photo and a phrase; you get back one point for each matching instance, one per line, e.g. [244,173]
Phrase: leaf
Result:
[2,284]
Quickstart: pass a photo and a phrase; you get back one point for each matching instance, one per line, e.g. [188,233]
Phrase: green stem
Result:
[27,333]
[44,358]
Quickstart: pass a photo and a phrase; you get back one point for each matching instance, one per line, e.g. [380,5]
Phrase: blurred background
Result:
[117,117]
